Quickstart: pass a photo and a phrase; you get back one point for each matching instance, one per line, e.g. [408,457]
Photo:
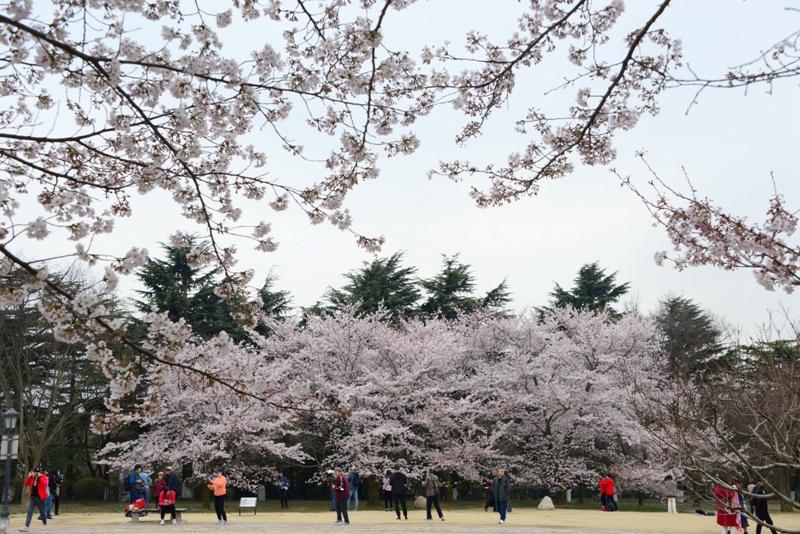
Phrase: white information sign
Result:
[14,447]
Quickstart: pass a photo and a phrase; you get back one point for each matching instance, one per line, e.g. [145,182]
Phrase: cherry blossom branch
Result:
[704,234]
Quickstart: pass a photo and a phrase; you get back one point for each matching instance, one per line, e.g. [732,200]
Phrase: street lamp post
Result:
[10,422]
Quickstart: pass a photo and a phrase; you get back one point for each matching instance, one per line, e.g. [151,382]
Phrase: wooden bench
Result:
[178,515]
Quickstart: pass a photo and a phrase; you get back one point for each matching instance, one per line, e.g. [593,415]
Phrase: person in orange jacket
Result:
[219,485]
[39,484]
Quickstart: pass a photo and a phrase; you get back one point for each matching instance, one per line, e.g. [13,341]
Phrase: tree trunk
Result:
[206,499]
[373,491]
[785,486]
[26,496]
[641,498]
[448,479]
[561,497]
[581,487]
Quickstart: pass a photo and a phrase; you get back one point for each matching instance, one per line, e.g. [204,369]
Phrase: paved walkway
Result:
[149,527]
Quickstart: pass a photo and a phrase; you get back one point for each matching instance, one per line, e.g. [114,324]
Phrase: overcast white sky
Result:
[729,144]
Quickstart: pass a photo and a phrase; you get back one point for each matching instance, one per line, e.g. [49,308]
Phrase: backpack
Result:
[356,479]
[126,483]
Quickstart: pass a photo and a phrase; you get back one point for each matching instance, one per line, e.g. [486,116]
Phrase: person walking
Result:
[431,485]
[172,481]
[57,495]
[51,489]
[501,490]
[282,483]
[671,489]
[387,490]
[398,483]
[219,485]
[52,478]
[354,478]
[602,484]
[38,482]
[331,480]
[166,503]
[607,487]
[341,489]
[762,506]
[741,519]
[487,485]
[726,518]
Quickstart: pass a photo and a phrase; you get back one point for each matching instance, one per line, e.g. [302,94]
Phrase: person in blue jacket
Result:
[282,483]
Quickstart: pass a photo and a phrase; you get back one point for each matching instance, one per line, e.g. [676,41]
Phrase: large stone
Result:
[186,492]
[420,502]
[546,504]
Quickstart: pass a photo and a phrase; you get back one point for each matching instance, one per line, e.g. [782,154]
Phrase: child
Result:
[136,506]
[166,502]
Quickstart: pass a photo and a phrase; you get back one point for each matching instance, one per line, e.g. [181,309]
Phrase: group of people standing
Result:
[165,491]
[731,503]
[395,487]
[608,497]
[45,495]
[498,487]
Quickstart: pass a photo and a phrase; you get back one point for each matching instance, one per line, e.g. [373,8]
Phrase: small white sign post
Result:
[248,502]
[14,447]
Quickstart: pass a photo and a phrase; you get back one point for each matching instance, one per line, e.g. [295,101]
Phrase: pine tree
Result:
[382,282]
[593,290]
[451,291]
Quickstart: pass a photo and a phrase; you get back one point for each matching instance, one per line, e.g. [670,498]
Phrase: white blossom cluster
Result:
[461,396]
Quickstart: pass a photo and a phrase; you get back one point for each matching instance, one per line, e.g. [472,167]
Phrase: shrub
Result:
[90,489]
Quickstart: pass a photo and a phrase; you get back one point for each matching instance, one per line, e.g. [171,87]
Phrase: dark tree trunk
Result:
[206,499]
[373,491]
[785,485]
[448,478]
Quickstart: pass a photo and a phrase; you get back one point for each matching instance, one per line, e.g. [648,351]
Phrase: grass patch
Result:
[296,507]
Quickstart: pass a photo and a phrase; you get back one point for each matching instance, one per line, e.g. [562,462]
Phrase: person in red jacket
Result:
[607,493]
[341,490]
[726,516]
[39,484]
[166,503]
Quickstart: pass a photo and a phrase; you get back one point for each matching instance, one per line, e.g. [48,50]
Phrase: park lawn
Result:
[92,519]
[317,506]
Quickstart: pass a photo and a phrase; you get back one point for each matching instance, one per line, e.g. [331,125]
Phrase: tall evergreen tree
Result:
[277,302]
[687,334]
[186,292]
[451,291]
[381,282]
[593,290]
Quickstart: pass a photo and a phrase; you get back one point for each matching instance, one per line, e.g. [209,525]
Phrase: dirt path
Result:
[466,522]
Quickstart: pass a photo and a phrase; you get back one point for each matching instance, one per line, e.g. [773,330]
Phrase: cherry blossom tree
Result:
[415,393]
[198,421]
[98,113]
[107,101]
[740,419]
[565,393]
[546,399]
[703,233]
